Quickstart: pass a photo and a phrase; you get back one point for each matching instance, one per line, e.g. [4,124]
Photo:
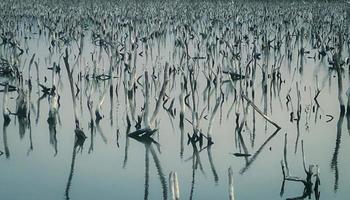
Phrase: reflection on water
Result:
[105,100]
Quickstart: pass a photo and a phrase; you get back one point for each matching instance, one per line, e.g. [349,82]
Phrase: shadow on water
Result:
[196,162]
[189,61]
[250,158]
[78,146]
[334,161]
[311,182]
[52,121]
[250,161]
[126,150]
[212,166]
[4,134]
[148,143]
[336,57]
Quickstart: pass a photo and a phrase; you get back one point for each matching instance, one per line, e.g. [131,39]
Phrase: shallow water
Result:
[41,160]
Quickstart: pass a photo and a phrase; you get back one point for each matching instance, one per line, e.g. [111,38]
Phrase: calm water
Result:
[41,161]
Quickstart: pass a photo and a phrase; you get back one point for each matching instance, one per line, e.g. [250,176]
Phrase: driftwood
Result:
[260,112]
[310,174]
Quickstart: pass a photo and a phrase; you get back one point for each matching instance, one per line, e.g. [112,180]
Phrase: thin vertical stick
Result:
[161,93]
[174,186]
[70,78]
[230,184]
[146,106]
